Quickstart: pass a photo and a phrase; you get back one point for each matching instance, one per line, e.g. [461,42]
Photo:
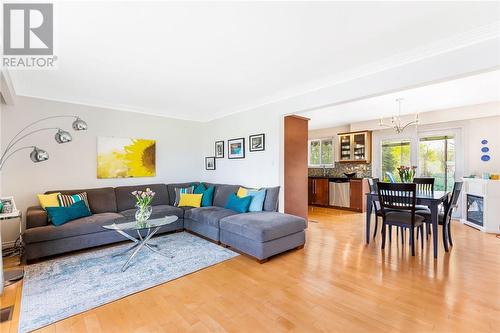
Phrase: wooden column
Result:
[295,165]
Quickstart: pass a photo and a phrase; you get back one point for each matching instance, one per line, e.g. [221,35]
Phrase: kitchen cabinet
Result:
[358,189]
[355,147]
[318,189]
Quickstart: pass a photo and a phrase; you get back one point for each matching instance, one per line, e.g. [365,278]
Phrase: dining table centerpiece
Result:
[407,173]
[143,204]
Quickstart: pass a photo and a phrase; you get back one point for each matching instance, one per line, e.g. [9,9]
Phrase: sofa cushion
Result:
[125,200]
[272,199]
[101,200]
[263,226]
[171,190]
[85,225]
[208,215]
[158,212]
[222,192]
[36,217]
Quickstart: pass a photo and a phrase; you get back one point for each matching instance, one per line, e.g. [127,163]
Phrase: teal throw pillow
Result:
[258,197]
[60,215]
[239,205]
[208,197]
[208,194]
[200,189]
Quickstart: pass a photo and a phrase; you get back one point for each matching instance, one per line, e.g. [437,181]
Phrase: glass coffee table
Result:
[151,226]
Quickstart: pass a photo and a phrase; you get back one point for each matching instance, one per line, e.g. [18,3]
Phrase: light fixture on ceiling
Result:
[396,122]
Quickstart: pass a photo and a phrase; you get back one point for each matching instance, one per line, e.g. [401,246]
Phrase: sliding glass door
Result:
[436,156]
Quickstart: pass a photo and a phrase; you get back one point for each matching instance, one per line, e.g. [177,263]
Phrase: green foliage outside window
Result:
[321,152]
[394,154]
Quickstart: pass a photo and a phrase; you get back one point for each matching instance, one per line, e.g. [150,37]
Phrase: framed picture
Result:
[9,208]
[236,148]
[257,142]
[125,157]
[219,149]
[210,163]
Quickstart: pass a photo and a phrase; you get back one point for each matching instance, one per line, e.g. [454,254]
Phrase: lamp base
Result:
[11,276]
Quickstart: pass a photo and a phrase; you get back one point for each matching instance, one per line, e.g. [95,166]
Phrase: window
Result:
[321,152]
[436,156]
[394,154]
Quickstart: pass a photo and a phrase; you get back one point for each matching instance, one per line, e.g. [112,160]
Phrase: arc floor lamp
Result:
[37,155]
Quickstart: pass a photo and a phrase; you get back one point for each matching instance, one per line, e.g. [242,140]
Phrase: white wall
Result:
[257,169]
[73,165]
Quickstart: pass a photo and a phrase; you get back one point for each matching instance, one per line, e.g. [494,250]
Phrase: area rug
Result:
[62,287]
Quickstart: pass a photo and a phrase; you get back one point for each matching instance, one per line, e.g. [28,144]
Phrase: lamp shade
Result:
[63,136]
[39,155]
[79,125]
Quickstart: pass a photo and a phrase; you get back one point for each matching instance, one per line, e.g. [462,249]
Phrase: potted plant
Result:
[406,173]
[143,204]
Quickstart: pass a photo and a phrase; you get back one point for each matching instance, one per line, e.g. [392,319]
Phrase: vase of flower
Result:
[143,204]
[406,173]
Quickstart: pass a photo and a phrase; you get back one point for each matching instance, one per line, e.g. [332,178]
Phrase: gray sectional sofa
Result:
[258,234]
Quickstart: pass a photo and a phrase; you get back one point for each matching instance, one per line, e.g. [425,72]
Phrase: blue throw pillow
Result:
[208,194]
[199,189]
[258,197]
[60,215]
[239,205]
[208,197]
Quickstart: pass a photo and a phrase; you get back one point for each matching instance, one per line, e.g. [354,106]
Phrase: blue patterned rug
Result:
[62,287]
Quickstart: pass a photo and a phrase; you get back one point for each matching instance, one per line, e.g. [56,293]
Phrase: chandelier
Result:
[396,122]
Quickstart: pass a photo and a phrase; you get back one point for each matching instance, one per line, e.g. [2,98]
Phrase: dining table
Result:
[432,199]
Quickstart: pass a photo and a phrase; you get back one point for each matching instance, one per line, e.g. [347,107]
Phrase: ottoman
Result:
[263,234]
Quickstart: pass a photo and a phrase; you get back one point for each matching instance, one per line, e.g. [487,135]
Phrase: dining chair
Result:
[424,184]
[452,205]
[390,176]
[397,202]
[372,184]
[444,218]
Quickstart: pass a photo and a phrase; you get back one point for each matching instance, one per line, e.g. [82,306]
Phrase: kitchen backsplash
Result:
[362,170]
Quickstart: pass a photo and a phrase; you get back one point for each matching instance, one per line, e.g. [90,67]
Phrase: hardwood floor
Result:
[335,284]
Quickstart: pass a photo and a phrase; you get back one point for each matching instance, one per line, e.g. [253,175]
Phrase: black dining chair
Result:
[397,202]
[444,218]
[424,184]
[372,184]
[449,207]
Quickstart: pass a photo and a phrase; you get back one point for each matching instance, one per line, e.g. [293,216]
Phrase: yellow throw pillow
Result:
[242,192]
[48,200]
[190,200]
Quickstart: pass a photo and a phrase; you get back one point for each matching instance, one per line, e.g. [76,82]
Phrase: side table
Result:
[12,275]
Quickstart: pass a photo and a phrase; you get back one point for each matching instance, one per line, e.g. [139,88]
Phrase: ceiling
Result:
[476,89]
[204,60]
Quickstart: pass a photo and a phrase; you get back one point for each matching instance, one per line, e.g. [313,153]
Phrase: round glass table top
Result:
[134,225]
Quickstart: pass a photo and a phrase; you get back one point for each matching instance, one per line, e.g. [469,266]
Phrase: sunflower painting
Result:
[124,158]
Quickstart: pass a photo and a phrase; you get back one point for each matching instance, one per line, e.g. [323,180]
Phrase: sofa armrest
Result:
[36,216]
